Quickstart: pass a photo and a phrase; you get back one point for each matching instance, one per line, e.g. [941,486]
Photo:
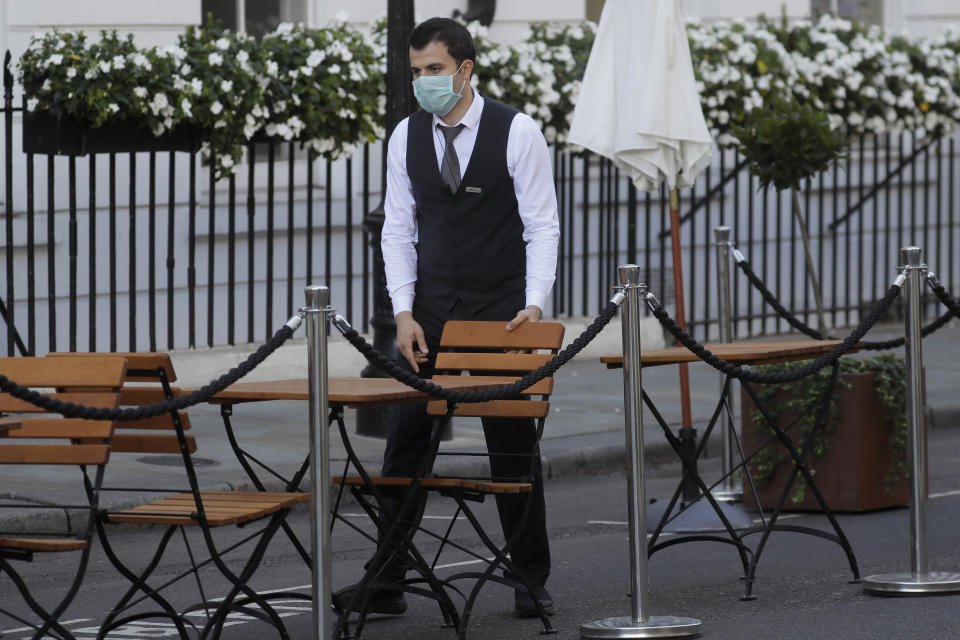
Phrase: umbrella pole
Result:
[688,435]
[686,419]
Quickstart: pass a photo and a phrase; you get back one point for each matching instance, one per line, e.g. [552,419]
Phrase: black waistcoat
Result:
[470,243]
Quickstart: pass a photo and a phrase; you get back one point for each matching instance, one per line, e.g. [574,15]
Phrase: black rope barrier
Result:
[943,295]
[806,329]
[390,367]
[780,377]
[73,410]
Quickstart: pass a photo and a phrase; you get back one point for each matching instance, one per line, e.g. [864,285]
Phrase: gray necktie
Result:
[450,167]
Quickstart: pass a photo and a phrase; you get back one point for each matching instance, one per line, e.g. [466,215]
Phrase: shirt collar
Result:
[471,119]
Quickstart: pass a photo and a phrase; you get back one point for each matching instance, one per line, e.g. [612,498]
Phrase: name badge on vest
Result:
[474,190]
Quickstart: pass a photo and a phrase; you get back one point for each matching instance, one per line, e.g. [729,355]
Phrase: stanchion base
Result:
[698,517]
[727,495]
[654,627]
[907,584]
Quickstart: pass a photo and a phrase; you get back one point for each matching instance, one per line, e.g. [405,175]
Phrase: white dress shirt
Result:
[528,163]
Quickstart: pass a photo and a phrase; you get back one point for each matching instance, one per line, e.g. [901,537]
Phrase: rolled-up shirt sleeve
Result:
[529,164]
[398,240]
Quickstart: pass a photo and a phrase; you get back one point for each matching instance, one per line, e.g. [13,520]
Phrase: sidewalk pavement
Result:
[584,433]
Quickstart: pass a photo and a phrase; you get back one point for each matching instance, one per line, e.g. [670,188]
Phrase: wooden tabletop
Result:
[739,352]
[349,392]
[8,424]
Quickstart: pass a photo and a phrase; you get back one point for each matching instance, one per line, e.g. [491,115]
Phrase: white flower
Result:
[119,62]
[216,108]
[223,44]
[173,51]
[242,56]
[159,104]
[196,85]
[334,69]
[71,72]
[140,60]
[32,104]
[226,161]
[315,58]
[226,86]
[114,107]
[56,59]
[215,59]
[186,107]
[272,68]
[104,66]
[47,86]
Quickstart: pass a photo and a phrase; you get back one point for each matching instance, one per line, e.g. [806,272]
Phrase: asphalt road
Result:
[803,581]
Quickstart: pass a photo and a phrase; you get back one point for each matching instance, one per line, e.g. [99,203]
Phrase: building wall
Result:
[152,23]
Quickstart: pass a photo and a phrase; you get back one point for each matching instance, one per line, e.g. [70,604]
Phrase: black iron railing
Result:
[146,251]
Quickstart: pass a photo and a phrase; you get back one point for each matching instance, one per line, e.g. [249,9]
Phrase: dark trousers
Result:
[408,440]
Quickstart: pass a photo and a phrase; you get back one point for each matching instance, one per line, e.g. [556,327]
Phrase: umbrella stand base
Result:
[699,517]
[907,584]
[727,495]
[654,627]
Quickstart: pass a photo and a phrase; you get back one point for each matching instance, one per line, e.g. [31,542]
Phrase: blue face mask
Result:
[435,93]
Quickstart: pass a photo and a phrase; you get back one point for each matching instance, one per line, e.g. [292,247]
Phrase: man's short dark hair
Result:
[448,31]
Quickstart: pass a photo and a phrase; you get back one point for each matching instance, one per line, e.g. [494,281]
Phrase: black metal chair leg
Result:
[138,583]
[51,620]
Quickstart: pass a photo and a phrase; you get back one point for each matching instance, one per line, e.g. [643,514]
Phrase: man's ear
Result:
[467,69]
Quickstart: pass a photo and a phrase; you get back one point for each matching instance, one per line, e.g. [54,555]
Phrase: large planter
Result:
[62,135]
[852,475]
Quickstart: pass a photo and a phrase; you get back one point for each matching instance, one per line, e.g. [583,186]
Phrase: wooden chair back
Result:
[488,351]
[52,440]
[144,384]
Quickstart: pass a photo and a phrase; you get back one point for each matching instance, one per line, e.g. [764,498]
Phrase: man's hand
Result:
[410,341]
[530,314]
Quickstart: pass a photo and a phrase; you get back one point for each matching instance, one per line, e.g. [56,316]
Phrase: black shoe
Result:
[382,601]
[525,605]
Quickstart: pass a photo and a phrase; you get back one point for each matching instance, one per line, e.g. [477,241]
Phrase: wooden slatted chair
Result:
[149,380]
[487,351]
[43,442]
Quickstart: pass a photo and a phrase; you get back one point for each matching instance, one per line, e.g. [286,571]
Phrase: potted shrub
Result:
[787,143]
[859,459]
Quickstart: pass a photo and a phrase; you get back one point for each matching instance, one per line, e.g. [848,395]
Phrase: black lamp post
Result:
[400,104]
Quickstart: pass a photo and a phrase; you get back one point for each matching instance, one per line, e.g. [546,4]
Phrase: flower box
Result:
[43,133]
[852,476]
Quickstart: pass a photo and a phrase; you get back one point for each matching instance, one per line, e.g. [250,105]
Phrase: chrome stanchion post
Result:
[920,581]
[318,319]
[640,624]
[728,490]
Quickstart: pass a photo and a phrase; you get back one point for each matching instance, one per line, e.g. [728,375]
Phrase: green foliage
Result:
[218,88]
[804,398]
[323,87]
[788,142]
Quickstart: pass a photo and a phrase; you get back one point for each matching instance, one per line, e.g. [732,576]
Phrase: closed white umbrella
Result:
[638,103]
[639,106]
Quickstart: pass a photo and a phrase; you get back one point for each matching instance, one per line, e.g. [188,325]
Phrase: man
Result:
[471,233]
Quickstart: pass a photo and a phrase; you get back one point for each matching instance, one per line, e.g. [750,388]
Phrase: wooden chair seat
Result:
[222,508]
[441,484]
[42,545]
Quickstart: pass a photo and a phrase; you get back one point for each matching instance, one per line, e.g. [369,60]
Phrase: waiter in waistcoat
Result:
[470,233]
